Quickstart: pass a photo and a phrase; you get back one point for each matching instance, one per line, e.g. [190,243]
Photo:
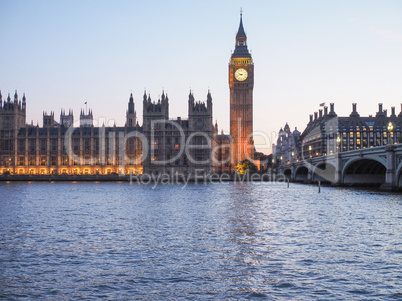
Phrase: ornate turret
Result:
[154,110]
[24,102]
[209,101]
[48,119]
[131,116]
[144,99]
[86,119]
[15,97]
[66,120]
[13,113]
[198,107]
[161,107]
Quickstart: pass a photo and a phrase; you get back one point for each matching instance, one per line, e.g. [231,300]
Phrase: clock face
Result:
[241,74]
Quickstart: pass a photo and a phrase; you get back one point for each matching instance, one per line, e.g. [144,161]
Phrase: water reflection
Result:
[219,241]
[248,237]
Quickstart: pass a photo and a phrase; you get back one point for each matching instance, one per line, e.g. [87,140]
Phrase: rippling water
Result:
[218,241]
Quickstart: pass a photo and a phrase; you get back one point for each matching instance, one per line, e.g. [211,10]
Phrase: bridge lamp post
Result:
[338,143]
[390,129]
[310,149]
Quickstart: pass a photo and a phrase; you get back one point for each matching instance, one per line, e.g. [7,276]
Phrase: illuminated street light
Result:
[390,129]
[338,143]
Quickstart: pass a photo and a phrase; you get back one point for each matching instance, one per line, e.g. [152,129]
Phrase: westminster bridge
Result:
[370,166]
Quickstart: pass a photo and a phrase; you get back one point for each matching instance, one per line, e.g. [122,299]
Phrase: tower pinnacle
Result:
[241,41]
[241,33]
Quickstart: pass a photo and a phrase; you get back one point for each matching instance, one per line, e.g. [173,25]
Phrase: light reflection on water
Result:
[217,241]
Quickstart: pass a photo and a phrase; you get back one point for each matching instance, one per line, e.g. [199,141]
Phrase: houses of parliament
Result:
[161,145]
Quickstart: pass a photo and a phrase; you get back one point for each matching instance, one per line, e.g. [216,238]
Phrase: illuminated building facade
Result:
[160,145]
[171,146]
[327,133]
[286,148]
[241,84]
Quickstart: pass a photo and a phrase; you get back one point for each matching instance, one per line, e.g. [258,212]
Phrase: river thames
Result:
[116,241]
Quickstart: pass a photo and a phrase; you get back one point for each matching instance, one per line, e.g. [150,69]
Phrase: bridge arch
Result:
[287,173]
[301,174]
[324,172]
[364,170]
[398,173]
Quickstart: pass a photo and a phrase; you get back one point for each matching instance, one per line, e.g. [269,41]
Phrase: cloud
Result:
[388,34]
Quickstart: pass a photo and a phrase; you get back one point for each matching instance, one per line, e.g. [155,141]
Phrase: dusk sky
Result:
[65,53]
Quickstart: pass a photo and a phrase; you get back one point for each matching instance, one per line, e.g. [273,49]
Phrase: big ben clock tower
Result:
[241,84]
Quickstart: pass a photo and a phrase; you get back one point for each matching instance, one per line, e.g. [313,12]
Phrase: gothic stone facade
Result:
[172,146]
[241,84]
[178,146]
[286,148]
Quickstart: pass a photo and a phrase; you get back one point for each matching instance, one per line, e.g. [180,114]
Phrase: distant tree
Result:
[243,166]
[270,164]
[262,157]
